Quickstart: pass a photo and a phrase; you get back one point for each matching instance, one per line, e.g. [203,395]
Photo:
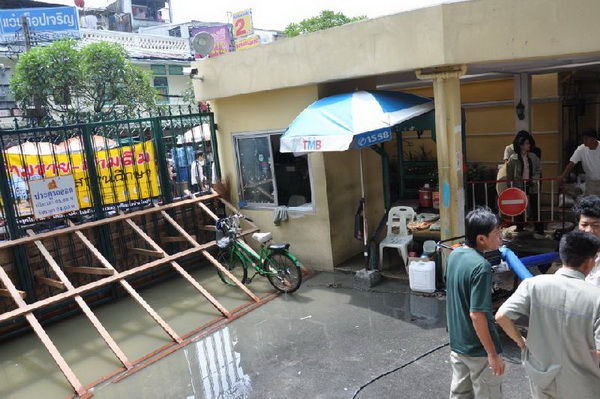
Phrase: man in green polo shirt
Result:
[477,366]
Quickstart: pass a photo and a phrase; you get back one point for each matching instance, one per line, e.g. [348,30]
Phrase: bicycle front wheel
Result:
[285,274]
[233,262]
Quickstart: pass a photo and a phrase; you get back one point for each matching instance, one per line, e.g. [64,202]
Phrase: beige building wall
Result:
[308,233]
[324,238]
[490,122]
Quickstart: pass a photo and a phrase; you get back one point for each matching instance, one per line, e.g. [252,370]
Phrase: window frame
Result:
[160,88]
[238,168]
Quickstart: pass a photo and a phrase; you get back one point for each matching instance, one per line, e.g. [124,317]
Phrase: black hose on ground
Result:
[400,367]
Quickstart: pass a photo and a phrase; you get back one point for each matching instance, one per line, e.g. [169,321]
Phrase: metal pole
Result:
[362,198]
[26,34]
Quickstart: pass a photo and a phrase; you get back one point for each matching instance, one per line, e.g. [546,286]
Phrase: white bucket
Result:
[421,275]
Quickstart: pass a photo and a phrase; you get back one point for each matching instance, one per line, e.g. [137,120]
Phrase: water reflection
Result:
[207,368]
[215,367]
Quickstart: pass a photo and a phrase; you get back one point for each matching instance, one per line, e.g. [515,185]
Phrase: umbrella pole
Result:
[362,196]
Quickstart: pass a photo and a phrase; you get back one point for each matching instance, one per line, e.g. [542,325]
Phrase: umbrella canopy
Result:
[33,148]
[351,120]
[75,144]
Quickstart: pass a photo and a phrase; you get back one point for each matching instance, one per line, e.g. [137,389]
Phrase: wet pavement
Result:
[325,341]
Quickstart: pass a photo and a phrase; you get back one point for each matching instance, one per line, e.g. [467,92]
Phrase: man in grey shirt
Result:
[562,350]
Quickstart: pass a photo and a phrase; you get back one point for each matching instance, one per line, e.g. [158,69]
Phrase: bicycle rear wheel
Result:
[286,276]
[233,262]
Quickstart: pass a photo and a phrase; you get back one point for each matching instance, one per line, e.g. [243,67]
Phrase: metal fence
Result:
[115,165]
[545,199]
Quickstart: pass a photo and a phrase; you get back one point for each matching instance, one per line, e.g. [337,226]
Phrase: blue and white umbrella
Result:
[351,120]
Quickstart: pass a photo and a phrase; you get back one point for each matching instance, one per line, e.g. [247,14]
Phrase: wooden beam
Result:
[144,252]
[128,286]
[173,239]
[207,210]
[106,280]
[82,304]
[6,293]
[89,270]
[72,227]
[41,333]
[233,209]
[52,283]
[215,262]
[181,270]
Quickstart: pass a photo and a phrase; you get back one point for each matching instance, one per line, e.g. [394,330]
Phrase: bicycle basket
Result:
[224,242]
[222,234]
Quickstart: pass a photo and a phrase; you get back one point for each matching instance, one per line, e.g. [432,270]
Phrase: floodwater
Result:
[327,340]
[28,371]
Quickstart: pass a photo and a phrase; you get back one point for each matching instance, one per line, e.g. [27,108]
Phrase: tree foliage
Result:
[61,79]
[327,19]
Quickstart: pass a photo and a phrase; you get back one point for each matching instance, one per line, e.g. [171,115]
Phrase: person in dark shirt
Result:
[477,366]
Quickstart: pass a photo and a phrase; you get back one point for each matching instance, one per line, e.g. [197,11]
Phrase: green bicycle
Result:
[273,261]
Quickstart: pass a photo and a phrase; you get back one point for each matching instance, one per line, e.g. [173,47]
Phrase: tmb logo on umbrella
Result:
[512,201]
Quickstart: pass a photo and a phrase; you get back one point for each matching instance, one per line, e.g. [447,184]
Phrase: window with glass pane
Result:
[254,155]
[269,177]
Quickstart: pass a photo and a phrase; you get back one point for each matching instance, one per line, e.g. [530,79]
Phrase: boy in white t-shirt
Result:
[588,154]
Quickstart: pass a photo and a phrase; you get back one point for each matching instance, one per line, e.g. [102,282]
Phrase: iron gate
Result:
[117,165]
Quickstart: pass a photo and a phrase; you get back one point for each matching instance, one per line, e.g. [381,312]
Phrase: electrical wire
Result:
[400,367]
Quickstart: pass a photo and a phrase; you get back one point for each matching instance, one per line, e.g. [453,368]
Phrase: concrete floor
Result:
[328,340]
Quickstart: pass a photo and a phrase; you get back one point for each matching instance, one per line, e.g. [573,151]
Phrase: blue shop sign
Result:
[51,23]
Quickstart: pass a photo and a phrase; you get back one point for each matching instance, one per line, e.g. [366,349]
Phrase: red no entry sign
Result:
[512,201]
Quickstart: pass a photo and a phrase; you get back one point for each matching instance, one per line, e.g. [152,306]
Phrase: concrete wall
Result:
[309,233]
[343,192]
[472,32]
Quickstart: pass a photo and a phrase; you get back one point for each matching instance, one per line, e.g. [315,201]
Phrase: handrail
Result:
[513,180]
[554,192]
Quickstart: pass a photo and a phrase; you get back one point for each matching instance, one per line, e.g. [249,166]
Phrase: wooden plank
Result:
[173,239]
[207,210]
[129,288]
[89,270]
[215,262]
[82,304]
[233,209]
[6,294]
[41,333]
[181,270]
[52,283]
[102,222]
[106,280]
[144,252]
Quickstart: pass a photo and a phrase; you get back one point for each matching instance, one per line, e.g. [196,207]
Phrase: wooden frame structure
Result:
[111,275]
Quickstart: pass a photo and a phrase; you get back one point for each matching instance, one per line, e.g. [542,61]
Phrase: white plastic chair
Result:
[397,232]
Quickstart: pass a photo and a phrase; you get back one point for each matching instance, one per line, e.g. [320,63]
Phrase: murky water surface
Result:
[28,371]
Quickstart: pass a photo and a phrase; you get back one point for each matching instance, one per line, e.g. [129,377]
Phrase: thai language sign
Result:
[125,173]
[247,42]
[242,23]
[53,196]
[53,23]
[222,38]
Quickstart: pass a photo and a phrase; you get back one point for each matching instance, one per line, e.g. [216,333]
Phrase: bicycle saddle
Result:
[262,237]
[278,247]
